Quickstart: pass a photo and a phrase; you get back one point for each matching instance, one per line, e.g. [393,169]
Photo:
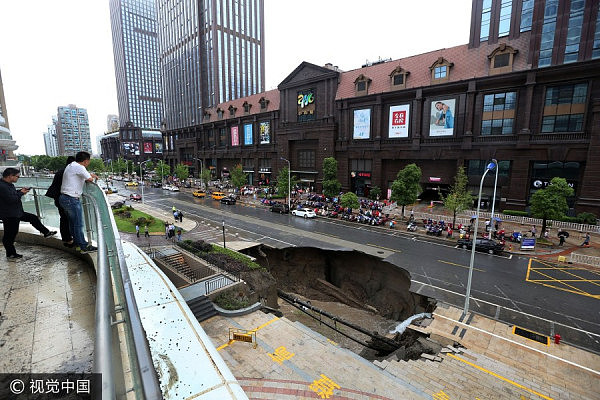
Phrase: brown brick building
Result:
[525,90]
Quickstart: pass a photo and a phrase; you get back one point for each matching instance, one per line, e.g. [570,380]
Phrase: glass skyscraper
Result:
[135,50]
[211,51]
[73,130]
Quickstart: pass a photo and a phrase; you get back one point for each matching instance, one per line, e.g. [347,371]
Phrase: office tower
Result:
[112,123]
[72,130]
[7,144]
[50,140]
[211,51]
[135,51]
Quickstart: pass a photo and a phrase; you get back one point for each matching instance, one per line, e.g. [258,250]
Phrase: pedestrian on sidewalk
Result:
[137,230]
[533,231]
[586,241]
[171,230]
[180,215]
[146,233]
[166,229]
[179,235]
[54,193]
[11,213]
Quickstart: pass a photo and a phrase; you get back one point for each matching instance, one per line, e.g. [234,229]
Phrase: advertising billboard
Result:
[362,124]
[399,119]
[131,148]
[235,136]
[248,134]
[147,147]
[158,147]
[442,117]
[306,105]
[265,132]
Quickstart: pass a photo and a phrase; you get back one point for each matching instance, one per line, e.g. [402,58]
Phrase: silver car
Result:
[304,212]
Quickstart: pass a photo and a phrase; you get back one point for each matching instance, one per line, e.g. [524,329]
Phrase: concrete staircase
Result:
[178,263]
[202,308]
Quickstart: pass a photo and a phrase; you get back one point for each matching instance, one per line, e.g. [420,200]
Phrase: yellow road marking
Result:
[459,265]
[495,375]
[253,330]
[385,248]
[569,288]
[567,280]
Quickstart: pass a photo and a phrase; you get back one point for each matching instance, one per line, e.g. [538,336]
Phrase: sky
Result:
[59,52]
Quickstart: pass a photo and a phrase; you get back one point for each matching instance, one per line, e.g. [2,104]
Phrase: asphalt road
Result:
[499,290]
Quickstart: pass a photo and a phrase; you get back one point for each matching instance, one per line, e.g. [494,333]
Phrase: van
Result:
[218,195]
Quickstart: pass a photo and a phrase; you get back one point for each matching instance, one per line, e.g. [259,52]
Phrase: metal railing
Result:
[584,259]
[112,278]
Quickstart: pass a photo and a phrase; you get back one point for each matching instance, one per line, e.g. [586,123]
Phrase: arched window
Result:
[398,78]
[440,70]
[501,59]
[361,85]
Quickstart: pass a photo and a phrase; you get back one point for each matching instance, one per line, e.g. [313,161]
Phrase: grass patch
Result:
[126,217]
[237,256]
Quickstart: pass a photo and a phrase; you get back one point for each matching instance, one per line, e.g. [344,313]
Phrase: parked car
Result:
[218,195]
[110,190]
[199,193]
[135,197]
[174,188]
[304,212]
[132,184]
[228,200]
[187,185]
[281,208]
[487,245]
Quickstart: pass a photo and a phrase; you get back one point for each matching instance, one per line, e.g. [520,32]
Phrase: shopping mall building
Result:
[525,92]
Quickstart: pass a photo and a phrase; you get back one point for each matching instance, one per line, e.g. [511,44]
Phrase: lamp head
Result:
[493,164]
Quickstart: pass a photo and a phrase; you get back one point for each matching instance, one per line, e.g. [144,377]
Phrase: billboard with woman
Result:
[442,117]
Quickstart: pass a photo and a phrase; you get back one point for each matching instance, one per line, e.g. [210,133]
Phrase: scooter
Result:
[411,227]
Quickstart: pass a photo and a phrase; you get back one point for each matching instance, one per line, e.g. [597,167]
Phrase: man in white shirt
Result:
[74,177]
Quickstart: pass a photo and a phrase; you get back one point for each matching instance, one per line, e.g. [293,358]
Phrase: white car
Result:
[304,212]
[174,188]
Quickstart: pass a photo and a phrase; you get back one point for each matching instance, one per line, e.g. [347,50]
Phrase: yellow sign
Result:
[280,355]
[241,335]
[324,387]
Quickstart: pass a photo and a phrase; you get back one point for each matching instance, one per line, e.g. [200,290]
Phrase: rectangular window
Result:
[306,158]
[548,31]
[477,167]
[505,13]
[399,79]
[361,86]
[596,46]
[486,14]
[526,15]
[574,31]
[498,113]
[501,60]
[440,72]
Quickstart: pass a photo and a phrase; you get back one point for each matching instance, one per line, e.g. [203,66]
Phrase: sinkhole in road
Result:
[358,280]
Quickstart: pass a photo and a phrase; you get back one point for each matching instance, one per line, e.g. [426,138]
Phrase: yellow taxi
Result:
[132,184]
[218,195]
[199,193]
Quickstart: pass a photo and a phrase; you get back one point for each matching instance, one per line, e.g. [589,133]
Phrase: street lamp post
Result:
[492,225]
[201,168]
[142,178]
[289,185]
[490,166]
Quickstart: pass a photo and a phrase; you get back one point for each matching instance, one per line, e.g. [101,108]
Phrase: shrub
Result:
[144,221]
[516,213]
[575,220]
[231,301]
[587,218]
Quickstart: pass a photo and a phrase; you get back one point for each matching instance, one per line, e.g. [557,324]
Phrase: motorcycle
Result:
[411,227]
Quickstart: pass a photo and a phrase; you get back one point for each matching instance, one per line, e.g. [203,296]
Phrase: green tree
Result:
[238,177]
[119,166]
[406,188]
[162,169]
[331,185]
[149,166]
[96,165]
[375,193]
[459,198]
[205,176]
[349,200]
[41,162]
[181,171]
[57,163]
[551,202]
[282,182]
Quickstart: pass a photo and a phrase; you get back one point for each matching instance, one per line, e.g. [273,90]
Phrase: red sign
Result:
[147,147]
[399,118]
[434,179]
[364,174]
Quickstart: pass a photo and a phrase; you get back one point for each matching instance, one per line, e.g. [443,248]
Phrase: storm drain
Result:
[531,335]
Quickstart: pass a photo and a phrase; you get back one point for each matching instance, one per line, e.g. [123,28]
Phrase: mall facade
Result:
[502,96]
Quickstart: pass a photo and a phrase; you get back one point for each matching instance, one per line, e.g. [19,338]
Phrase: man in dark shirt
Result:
[54,193]
[11,213]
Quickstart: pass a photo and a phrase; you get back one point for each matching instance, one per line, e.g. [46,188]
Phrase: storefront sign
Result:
[362,124]
[364,174]
[158,148]
[131,149]
[434,179]
[235,136]
[399,116]
[265,132]
[544,183]
[306,105]
[442,117]
[248,134]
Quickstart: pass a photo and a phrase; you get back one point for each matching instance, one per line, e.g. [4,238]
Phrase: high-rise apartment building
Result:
[211,51]
[7,144]
[50,140]
[72,130]
[112,123]
[136,62]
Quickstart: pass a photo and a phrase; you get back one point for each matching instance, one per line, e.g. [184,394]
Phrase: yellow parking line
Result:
[572,290]
[459,265]
[495,375]
[385,248]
